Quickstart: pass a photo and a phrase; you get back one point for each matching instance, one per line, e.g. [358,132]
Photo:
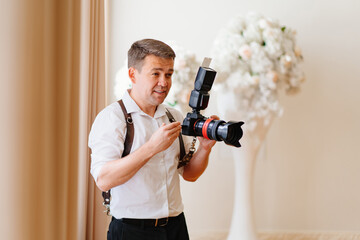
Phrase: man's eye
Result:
[155,74]
[168,75]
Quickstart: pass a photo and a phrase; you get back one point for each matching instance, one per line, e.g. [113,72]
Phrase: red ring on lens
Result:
[205,126]
[195,125]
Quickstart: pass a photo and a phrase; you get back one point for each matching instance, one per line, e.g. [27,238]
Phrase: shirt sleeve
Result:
[106,139]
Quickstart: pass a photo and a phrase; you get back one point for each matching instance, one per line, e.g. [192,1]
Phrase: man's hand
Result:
[165,136]
[207,144]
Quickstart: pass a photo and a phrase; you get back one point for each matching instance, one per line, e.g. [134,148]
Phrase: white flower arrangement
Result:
[122,81]
[185,69]
[255,56]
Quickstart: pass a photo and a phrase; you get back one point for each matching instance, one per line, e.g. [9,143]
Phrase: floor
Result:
[284,236]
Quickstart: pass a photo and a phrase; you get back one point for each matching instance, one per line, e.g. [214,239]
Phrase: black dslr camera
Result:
[196,124]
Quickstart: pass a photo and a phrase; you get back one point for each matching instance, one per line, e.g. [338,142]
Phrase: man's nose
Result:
[163,81]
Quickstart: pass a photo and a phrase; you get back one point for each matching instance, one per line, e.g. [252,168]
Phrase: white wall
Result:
[308,174]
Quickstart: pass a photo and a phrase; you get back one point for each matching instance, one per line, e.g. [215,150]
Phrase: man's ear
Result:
[131,73]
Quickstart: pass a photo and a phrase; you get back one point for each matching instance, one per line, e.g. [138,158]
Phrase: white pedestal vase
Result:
[243,221]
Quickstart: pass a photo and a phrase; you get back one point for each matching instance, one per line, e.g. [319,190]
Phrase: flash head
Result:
[204,80]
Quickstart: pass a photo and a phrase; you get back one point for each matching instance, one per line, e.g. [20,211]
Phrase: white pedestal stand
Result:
[243,221]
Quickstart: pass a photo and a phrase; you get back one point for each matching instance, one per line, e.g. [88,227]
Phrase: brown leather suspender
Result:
[127,148]
[128,144]
[129,130]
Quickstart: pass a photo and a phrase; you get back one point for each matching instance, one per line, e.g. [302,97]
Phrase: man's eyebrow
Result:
[161,69]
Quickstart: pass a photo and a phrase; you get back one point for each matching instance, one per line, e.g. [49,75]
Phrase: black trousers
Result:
[175,229]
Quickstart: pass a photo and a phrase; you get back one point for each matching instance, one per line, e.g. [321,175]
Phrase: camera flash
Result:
[206,62]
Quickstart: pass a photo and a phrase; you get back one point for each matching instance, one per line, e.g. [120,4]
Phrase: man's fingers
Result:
[173,137]
[175,132]
[215,117]
[171,125]
[175,129]
[174,124]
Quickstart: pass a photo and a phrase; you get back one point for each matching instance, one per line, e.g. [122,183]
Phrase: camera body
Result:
[199,100]
[196,124]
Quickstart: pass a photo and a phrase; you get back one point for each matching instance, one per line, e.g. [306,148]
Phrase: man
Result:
[146,201]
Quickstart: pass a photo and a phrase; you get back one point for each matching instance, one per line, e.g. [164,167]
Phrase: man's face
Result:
[153,82]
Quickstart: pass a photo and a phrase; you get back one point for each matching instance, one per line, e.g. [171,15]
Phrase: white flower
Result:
[255,57]
[252,34]
[265,23]
[245,52]
[272,76]
[237,25]
[297,51]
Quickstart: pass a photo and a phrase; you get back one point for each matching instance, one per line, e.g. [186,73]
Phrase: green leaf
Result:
[283,29]
[172,104]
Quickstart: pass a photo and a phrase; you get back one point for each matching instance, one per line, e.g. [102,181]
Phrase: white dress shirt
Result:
[154,191]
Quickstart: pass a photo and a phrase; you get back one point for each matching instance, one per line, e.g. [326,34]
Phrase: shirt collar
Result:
[131,106]
[160,111]
[129,103]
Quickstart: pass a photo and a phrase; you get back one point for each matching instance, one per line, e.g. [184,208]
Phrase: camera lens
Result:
[219,130]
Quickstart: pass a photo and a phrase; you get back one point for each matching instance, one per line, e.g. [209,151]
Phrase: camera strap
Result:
[184,158]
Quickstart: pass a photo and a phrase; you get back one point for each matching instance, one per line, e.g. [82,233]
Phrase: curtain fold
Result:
[97,221]
[52,87]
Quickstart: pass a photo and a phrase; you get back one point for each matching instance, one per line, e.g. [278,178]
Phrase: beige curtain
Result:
[52,86]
